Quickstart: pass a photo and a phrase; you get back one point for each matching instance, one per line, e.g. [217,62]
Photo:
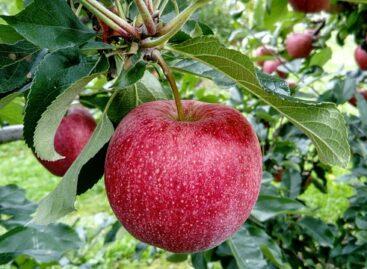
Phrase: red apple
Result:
[184,186]
[271,66]
[263,51]
[278,175]
[292,85]
[71,136]
[299,45]
[361,58]
[309,6]
[353,100]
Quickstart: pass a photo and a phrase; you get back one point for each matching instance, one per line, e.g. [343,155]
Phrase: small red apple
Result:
[361,58]
[184,186]
[271,66]
[353,100]
[262,51]
[299,45]
[309,6]
[71,136]
[292,85]
[278,175]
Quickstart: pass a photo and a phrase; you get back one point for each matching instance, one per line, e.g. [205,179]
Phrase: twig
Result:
[95,6]
[169,30]
[146,16]
[11,133]
[150,6]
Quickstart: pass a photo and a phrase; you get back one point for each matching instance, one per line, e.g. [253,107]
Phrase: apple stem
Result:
[156,55]
[146,16]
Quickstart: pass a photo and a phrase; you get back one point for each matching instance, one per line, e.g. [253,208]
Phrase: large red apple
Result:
[262,51]
[361,58]
[272,66]
[353,100]
[299,45]
[71,136]
[309,6]
[184,186]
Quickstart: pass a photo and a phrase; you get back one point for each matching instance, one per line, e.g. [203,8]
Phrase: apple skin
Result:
[361,58]
[184,186]
[299,45]
[262,51]
[310,6]
[71,136]
[271,66]
[353,100]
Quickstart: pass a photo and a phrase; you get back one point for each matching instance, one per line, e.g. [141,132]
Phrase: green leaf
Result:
[362,107]
[95,45]
[131,76]
[319,231]
[269,82]
[8,35]
[198,261]
[43,243]
[92,171]
[15,206]
[61,201]
[111,235]
[273,83]
[146,90]
[16,62]
[177,258]
[50,24]
[12,113]
[321,57]
[271,16]
[344,89]
[321,122]
[50,120]
[57,72]
[251,246]
[96,100]
[246,250]
[267,245]
[268,206]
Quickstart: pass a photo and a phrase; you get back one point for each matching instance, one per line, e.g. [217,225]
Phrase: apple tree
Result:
[184,175]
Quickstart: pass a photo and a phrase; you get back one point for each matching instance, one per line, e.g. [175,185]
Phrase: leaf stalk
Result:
[107,15]
[146,16]
[173,27]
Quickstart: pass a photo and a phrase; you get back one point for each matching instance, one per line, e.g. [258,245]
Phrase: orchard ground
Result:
[18,166]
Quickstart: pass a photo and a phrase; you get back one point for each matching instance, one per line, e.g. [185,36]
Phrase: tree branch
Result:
[11,133]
